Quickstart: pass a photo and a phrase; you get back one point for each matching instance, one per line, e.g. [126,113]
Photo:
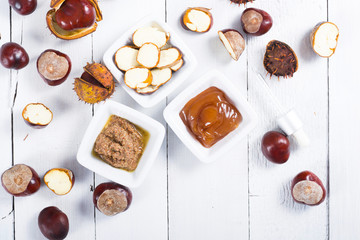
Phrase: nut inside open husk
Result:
[70,34]
[96,84]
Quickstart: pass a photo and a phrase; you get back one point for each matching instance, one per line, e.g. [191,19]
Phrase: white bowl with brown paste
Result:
[121,144]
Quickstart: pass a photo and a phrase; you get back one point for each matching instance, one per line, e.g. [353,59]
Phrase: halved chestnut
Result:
[111,198]
[37,115]
[20,180]
[197,19]
[72,19]
[53,66]
[308,189]
[59,180]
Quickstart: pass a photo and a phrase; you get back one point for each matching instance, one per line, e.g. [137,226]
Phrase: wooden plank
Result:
[56,145]
[208,201]
[147,216]
[344,130]
[6,201]
[272,210]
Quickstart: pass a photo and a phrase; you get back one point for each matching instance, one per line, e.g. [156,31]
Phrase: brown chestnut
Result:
[53,66]
[23,7]
[276,147]
[13,56]
[255,21]
[307,188]
[20,180]
[53,223]
[111,198]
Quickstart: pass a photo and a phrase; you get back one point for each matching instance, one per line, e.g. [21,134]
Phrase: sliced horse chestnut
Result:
[256,21]
[197,19]
[308,189]
[59,180]
[53,66]
[23,7]
[280,60]
[275,147]
[20,180]
[111,198]
[53,223]
[37,115]
[13,56]
[96,84]
[72,19]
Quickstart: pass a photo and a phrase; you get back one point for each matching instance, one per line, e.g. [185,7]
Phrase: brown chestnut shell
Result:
[53,223]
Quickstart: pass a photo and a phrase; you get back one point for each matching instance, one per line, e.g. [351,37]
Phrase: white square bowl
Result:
[95,164]
[216,79]
[150,100]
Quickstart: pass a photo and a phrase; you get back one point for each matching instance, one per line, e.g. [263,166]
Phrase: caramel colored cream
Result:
[210,116]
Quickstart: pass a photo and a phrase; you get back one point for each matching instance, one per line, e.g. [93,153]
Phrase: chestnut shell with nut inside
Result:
[72,34]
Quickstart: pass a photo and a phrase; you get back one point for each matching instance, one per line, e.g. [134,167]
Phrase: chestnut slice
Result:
[324,38]
[20,180]
[23,7]
[13,56]
[53,223]
[148,55]
[233,42]
[197,19]
[168,57]
[177,65]
[308,189]
[150,35]
[53,66]
[280,60]
[256,21]
[111,198]
[37,114]
[138,76]
[276,147]
[59,180]
[125,58]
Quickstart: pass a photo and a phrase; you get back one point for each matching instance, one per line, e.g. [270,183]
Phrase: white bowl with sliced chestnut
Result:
[150,61]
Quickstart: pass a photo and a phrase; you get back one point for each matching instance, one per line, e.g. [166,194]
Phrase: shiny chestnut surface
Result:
[75,14]
[275,147]
[256,22]
[23,7]
[53,223]
[210,116]
[13,56]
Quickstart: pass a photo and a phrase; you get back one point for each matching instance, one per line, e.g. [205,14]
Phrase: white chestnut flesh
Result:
[149,55]
[324,39]
[37,114]
[59,180]
[233,42]
[20,180]
[150,35]
[125,58]
[197,19]
[112,198]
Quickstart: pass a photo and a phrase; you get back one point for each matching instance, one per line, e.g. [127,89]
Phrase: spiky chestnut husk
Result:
[241,1]
[96,84]
[280,60]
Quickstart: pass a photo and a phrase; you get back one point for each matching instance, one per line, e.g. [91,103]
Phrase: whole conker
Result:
[23,7]
[276,147]
[256,21]
[112,198]
[53,223]
[13,56]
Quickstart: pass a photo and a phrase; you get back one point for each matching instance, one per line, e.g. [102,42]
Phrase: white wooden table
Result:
[241,196]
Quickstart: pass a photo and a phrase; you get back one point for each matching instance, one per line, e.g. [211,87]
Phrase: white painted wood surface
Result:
[241,196]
